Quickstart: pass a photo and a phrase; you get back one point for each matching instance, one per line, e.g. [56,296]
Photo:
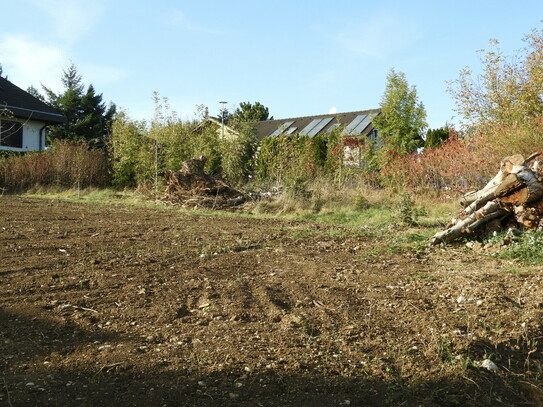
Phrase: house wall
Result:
[31,136]
[228,135]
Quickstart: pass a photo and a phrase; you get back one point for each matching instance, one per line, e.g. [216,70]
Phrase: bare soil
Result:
[112,305]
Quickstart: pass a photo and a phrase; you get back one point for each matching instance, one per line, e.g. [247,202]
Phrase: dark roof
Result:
[23,105]
[298,124]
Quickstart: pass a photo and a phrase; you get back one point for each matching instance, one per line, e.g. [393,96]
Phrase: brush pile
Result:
[512,199]
[191,187]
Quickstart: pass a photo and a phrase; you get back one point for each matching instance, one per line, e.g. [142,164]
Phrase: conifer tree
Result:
[88,118]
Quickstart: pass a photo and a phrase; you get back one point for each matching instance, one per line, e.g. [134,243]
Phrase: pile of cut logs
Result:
[512,199]
[191,187]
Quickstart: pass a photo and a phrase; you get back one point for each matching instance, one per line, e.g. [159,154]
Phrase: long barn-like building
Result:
[351,124]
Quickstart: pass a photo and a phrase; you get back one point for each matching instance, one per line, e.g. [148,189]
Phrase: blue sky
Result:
[297,58]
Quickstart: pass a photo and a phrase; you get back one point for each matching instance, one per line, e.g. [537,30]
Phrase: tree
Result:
[248,112]
[403,118]
[35,92]
[202,112]
[509,90]
[436,137]
[88,118]
[2,72]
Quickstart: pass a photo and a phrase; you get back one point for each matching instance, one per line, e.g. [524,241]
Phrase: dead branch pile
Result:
[191,187]
[513,198]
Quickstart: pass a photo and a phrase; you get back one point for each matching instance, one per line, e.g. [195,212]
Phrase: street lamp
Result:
[223,109]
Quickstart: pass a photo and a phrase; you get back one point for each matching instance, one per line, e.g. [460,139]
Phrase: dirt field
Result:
[104,305]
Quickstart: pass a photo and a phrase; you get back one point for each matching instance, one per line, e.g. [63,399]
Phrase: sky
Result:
[298,58]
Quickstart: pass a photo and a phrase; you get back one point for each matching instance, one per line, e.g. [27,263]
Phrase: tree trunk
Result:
[515,190]
[468,225]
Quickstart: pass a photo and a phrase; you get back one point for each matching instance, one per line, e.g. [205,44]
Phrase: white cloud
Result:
[380,36]
[333,110]
[71,18]
[27,62]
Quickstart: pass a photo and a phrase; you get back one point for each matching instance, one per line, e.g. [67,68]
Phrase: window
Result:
[11,134]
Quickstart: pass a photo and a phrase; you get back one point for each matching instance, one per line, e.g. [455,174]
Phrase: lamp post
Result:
[222,118]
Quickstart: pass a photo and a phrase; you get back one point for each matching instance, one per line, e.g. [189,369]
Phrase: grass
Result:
[405,221]
[528,249]
[91,195]
[357,212]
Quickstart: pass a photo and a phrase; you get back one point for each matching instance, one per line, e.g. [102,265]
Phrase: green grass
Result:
[91,195]
[374,216]
[377,219]
[528,249]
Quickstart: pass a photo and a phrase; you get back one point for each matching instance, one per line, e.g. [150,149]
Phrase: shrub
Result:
[65,164]
[457,166]
[141,153]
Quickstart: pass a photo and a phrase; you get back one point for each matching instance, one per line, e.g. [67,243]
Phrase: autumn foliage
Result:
[66,165]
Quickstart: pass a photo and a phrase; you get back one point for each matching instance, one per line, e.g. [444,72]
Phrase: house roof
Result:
[216,122]
[21,104]
[353,123]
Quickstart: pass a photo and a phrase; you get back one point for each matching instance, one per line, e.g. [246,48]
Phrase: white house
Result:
[23,119]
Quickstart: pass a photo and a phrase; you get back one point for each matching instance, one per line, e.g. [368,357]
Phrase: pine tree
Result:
[88,118]
[248,112]
[35,92]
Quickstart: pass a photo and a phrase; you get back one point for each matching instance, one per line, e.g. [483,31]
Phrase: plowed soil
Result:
[112,305]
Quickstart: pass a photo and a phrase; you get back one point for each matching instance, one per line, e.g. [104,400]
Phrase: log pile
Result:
[191,187]
[513,198]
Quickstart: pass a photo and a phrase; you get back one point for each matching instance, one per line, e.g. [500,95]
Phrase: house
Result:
[23,119]
[356,124]
[222,130]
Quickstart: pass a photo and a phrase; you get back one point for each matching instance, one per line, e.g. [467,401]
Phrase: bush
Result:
[141,153]
[65,164]
[292,161]
[238,155]
[457,166]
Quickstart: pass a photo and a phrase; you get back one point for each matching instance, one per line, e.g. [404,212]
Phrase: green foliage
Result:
[436,137]
[248,112]
[238,155]
[403,118]
[528,249]
[141,153]
[407,211]
[507,92]
[293,161]
[88,118]
[35,92]
[502,107]
[127,145]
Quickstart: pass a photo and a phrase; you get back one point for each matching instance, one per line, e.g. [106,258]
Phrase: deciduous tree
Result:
[507,92]
[403,118]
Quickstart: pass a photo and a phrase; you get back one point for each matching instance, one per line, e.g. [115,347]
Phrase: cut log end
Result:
[516,192]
